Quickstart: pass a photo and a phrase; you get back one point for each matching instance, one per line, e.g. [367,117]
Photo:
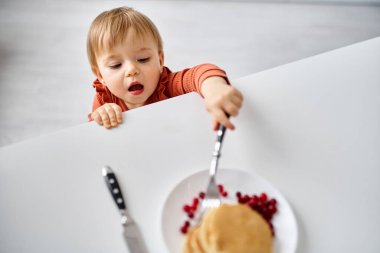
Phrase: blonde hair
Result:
[111,27]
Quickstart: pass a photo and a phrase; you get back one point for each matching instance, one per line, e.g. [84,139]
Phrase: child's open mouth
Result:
[136,89]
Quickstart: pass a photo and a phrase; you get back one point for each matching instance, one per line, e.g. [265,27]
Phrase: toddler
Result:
[126,55]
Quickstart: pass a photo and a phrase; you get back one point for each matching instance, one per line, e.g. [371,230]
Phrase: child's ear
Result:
[161,57]
[98,75]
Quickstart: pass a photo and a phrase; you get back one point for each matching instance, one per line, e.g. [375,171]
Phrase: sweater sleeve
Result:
[100,92]
[191,79]
[98,101]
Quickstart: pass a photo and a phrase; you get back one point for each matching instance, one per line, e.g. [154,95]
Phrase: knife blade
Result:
[131,233]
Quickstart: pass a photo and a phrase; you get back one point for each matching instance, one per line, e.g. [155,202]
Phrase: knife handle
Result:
[113,187]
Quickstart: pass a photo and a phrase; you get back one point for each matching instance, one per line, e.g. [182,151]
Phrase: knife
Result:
[131,233]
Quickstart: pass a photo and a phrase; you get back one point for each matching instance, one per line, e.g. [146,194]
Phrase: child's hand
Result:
[221,100]
[109,115]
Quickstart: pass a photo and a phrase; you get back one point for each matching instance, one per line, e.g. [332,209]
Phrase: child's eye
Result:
[115,66]
[143,60]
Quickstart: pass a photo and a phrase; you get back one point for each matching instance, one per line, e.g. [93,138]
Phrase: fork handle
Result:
[219,139]
[218,146]
[221,132]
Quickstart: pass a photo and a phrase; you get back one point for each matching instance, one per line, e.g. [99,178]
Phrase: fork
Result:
[212,195]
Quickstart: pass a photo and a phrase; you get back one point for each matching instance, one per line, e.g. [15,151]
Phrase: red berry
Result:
[184,230]
[252,202]
[255,200]
[268,216]
[272,209]
[263,197]
[252,205]
[273,202]
[258,208]
[261,204]
[220,188]
[186,208]
[245,198]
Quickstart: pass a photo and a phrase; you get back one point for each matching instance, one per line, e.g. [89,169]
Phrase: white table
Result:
[310,127]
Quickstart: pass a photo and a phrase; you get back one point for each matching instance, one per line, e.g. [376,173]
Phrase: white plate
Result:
[173,217]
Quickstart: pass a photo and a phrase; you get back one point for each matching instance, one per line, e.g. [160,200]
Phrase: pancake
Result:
[192,244]
[235,229]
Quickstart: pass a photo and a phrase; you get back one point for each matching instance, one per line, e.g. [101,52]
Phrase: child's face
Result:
[131,70]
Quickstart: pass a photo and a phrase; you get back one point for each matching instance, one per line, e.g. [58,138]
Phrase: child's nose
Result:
[131,70]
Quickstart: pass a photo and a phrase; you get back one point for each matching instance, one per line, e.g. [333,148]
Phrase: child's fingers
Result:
[216,125]
[119,113]
[231,109]
[238,94]
[230,105]
[105,118]
[108,115]
[237,99]
[111,115]
[221,117]
[220,113]
[101,117]
[228,102]
[96,117]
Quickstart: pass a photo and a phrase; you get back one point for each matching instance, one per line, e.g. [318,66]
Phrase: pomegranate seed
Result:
[261,204]
[238,195]
[190,215]
[184,230]
[252,202]
[225,194]
[187,224]
[272,209]
[245,198]
[263,197]
[195,201]
[202,195]
[220,188]
[273,202]
[252,205]
[257,208]
[186,208]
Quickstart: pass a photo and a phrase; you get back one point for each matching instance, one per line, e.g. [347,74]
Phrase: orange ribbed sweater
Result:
[171,84]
